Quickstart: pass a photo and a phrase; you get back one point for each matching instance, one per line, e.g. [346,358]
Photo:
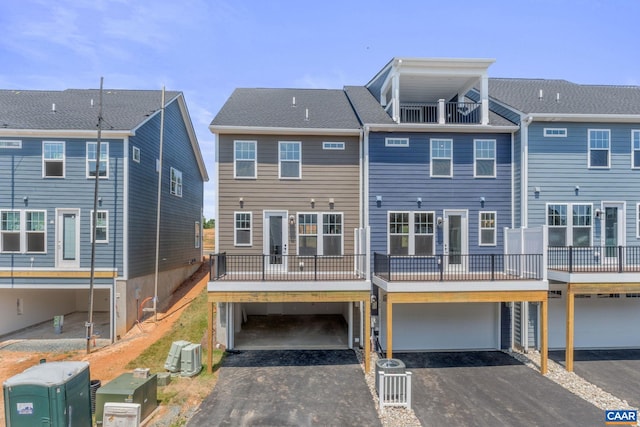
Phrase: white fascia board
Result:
[64,133]
[585,118]
[461,286]
[288,286]
[54,286]
[244,130]
[412,127]
[186,118]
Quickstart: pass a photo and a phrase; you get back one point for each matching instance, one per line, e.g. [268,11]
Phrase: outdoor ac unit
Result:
[191,360]
[120,414]
[173,359]
[388,366]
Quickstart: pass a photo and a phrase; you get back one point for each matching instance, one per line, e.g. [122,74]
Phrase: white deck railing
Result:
[395,390]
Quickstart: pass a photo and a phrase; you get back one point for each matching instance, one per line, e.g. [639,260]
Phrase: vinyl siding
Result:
[325,174]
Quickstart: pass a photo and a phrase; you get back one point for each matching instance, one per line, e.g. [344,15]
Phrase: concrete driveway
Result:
[490,389]
[289,388]
[614,371]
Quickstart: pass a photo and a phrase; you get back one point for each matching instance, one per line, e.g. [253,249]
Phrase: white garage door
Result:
[443,326]
[600,322]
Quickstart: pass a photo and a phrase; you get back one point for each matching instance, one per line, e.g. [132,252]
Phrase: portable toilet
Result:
[55,393]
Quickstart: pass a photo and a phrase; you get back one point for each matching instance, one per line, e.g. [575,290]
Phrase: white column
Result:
[484,99]
[441,111]
[395,87]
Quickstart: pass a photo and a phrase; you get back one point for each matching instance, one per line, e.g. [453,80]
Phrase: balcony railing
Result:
[225,266]
[441,112]
[595,259]
[439,268]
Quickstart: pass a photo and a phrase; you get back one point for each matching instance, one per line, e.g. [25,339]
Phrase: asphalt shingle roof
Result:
[523,95]
[274,108]
[367,107]
[122,109]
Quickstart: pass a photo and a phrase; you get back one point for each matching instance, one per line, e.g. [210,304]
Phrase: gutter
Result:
[411,127]
[611,118]
[263,130]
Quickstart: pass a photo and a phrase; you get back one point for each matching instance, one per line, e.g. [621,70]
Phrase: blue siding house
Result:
[48,154]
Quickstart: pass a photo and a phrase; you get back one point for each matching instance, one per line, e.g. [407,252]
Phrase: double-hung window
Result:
[289,155]
[102,226]
[320,234]
[23,231]
[244,159]
[176,182]
[557,223]
[92,158]
[242,229]
[599,148]
[411,233]
[581,225]
[487,222]
[635,149]
[423,233]
[484,165]
[197,235]
[441,158]
[10,229]
[53,159]
[35,228]
[574,229]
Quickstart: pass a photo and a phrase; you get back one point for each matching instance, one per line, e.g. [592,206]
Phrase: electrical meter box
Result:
[128,389]
[54,393]
[172,363]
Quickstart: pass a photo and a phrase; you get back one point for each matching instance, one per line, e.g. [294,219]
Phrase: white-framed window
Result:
[289,155]
[635,149]
[488,228]
[396,142]
[484,158]
[102,226]
[91,159]
[411,233]
[599,148]
[53,159]
[638,220]
[135,154]
[245,159]
[23,231]
[570,224]
[242,235]
[555,132]
[10,143]
[197,232]
[328,145]
[176,182]
[320,234]
[441,158]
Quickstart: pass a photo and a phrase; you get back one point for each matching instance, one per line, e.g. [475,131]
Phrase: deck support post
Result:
[568,356]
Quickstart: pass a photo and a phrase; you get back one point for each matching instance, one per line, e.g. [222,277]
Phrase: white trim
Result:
[125,211]
[264,130]
[333,145]
[495,228]
[10,143]
[475,158]
[255,159]
[89,169]
[62,133]
[635,135]
[411,233]
[396,142]
[135,154]
[585,118]
[235,229]
[431,157]
[555,132]
[60,263]
[637,220]
[622,218]
[299,160]
[569,226]
[197,234]
[64,159]
[320,232]
[23,231]
[178,182]
[434,127]
[608,132]
[464,235]
[91,225]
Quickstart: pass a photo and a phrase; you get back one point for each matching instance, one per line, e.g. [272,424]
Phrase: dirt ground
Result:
[109,362]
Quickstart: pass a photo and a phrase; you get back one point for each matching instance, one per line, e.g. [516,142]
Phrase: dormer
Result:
[432,90]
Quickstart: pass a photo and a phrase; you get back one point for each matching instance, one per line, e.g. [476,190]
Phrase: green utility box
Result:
[55,394]
[129,389]
[173,363]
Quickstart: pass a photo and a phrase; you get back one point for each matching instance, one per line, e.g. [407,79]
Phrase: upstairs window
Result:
[396,142]
[333,145]
[555,132]
[10,229]
[35,231]
[92,158]
[487,229]
[484,165]
[242,229]
[136,154]
[599,148]
[9,143]
[244,159]
[557,222]
[635,149]
[102,226]
[53,159]
[441,158]
[289,164]
[176,182]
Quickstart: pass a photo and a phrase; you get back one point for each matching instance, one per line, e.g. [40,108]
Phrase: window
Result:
[599,147]
[635,149]
[35,231]
[557,222]
[176,182]
[638,220]
[323,240]
[333,145]
[396,142]
[411,233]
[198,234]
[91,159]
[10,229]
[581,225]
[484,158]
[487,229]
[244,159]
[289,155]
[136,154]
[6,143]
[53,159]
[441,156]
[102,226]
[242,229]
[555,132]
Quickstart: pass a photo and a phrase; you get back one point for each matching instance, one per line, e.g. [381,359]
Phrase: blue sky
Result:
[206,48]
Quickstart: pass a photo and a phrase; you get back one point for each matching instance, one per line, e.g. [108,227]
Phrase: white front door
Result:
[275,240]
[68,238]
[455,240]
[613,228]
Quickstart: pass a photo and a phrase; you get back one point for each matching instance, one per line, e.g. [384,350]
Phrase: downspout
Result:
[365,198]
[157,267]
[524,171]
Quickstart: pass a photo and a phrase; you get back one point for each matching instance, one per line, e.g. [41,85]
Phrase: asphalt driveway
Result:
[289,388]
[614,371]
[490,389]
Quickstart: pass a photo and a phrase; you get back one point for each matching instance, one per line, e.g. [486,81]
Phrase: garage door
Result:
[443,326]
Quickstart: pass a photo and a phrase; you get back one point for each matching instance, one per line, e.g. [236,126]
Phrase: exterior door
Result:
[455,240]
[68,238]
[275,240]
[613,230]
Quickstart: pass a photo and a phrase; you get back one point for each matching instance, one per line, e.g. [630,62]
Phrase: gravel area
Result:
[51,345]
[393,416]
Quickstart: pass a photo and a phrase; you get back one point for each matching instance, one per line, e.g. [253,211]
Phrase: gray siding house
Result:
[48,142]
